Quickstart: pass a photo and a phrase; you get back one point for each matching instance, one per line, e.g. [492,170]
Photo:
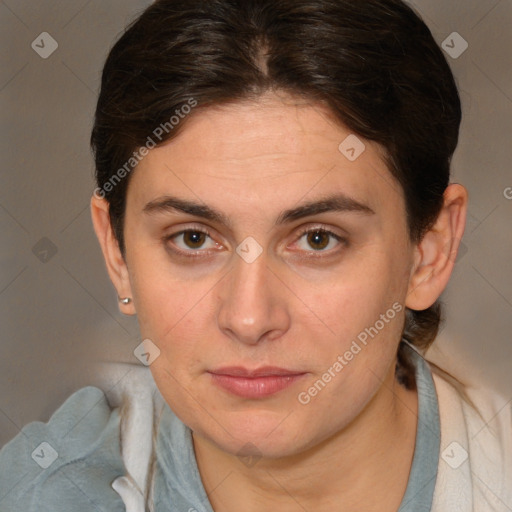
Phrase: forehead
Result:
[278,148]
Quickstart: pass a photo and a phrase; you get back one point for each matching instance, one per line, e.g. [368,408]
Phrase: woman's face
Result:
[256,243]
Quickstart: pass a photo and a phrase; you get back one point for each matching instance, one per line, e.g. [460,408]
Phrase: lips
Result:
[254,384]
[265,371]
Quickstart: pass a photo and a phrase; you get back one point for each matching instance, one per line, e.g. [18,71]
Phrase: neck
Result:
[367,463]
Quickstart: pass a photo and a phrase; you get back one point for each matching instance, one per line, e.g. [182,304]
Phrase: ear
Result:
[435,254]
[116,264]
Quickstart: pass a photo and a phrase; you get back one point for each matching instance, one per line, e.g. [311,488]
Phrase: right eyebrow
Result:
[173,204]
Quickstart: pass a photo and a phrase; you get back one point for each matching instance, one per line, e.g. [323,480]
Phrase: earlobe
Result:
[435,254]
[114,260]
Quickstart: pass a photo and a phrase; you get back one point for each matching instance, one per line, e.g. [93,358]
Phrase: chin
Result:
[257,434]
[258,448]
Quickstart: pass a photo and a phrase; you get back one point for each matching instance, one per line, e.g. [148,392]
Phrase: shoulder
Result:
[488,416]
[48,466]
[476,445]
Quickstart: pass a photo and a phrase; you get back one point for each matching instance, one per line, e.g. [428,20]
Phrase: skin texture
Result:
[296,306]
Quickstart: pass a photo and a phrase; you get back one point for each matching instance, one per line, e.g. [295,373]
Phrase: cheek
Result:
[178,318]
[163,298]
[362,314]
[365,320]
[355,297]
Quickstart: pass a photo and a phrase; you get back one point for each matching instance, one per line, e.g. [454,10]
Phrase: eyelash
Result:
[207,252]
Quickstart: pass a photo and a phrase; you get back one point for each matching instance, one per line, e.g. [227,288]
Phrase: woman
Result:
[274,205]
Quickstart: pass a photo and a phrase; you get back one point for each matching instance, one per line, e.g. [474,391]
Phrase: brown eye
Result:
[318,240]
[194,239]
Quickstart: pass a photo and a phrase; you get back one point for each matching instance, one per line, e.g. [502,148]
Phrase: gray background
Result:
[58,312]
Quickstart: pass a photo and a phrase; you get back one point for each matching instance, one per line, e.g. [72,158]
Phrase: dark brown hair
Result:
[373,63]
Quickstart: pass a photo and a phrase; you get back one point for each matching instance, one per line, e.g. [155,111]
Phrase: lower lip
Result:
[257,387]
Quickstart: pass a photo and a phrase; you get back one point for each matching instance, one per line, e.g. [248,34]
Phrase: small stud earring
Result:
[125,300]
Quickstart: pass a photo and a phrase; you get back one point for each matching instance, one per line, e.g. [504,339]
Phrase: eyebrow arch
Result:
[334,203]
[173,204]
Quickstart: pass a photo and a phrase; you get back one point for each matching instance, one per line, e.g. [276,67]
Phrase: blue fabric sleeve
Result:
[67,464]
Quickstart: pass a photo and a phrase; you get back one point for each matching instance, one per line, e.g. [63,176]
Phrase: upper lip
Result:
[264,371]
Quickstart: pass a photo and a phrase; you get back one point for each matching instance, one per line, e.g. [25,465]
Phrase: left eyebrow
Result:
[335,203]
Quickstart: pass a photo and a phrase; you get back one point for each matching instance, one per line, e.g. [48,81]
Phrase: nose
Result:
[252,306]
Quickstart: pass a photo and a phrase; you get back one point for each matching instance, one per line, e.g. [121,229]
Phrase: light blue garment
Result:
[84,433]
[422,479]
[80,446]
